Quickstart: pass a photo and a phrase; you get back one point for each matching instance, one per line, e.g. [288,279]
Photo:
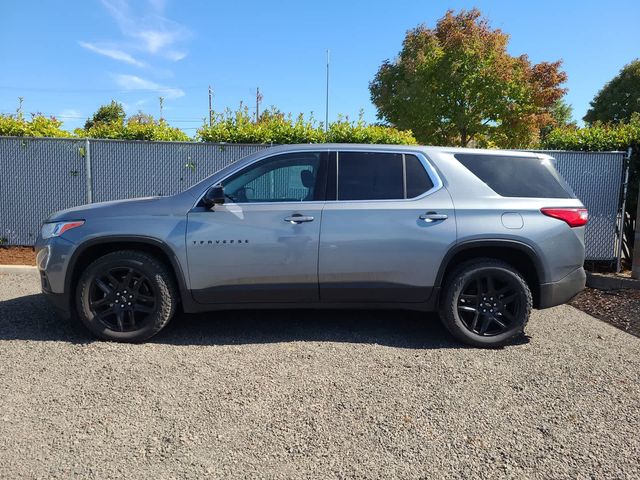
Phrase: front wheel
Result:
[126,296]
[486,303]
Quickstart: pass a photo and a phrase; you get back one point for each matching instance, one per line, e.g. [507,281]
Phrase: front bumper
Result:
[60,302]
[557,293]
[52,259]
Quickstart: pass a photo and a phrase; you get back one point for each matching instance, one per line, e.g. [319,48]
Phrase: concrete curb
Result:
[608,282]
[18,269]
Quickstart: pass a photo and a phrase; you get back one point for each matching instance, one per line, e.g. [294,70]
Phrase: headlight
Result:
[58,228]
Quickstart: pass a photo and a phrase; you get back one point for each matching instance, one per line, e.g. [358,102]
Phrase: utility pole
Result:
[326,106]
[258,100]
[210,108]
[161,105]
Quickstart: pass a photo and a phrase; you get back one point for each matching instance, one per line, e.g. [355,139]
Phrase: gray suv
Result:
[480,236]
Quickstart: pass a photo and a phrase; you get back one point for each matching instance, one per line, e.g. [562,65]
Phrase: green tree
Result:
[562,115]
[457,84]
[619,98]
[111,112]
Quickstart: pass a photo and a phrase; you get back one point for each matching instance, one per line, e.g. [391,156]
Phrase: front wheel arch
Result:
[89,251]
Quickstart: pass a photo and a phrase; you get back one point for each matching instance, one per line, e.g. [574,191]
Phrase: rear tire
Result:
[126,296]
[486,303]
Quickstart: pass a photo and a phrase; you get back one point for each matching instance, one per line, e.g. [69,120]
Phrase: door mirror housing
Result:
[214,196]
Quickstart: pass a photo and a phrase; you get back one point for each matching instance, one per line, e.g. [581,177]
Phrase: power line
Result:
[83,117]
[158,89]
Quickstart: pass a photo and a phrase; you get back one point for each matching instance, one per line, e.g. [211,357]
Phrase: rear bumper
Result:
[557,293]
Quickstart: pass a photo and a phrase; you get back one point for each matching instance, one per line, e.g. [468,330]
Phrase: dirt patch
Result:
[620,308]
[17,256]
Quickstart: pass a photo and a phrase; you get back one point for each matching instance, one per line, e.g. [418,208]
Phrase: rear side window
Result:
[517,176]
[370,176]
[379,176]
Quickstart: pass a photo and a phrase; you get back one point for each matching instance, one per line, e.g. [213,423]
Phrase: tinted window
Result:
[517,176]
[418,180]
[370,176]
[290,177]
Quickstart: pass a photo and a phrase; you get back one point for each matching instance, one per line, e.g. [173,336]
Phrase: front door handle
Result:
[433,216]
[297,218]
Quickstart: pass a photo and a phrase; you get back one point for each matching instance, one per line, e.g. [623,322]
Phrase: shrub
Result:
[275,127]
[138,127]
[604,137]
[344,131]
[38,126]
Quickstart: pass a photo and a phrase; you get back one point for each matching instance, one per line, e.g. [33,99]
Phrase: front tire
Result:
[486,303]
[126,296]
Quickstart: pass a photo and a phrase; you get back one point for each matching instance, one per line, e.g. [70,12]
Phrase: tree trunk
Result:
[463,137]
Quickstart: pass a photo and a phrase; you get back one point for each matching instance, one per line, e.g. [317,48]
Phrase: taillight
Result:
[575,217]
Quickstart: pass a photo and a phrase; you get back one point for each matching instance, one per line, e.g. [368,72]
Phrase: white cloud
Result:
[133,82]
[70,113]
[113,53]
[175,55]
[153,32]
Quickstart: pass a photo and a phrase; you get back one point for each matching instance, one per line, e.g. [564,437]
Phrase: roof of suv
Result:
[426,149]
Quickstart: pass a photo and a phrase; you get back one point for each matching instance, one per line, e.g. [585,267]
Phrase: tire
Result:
[126,296]
[485,313]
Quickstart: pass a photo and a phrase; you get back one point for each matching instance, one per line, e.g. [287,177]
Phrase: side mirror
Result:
[215,195]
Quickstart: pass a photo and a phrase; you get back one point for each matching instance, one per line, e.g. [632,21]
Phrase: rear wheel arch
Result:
[519,255]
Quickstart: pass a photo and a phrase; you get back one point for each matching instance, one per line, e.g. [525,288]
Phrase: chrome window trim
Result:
[426,163]
[260,159]
[404,176]
[422,158]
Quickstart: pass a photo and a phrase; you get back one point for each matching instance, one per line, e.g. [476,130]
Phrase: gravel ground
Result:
[314,395]
[620,308]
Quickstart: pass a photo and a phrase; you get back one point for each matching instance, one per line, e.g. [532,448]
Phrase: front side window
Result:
[380,176]
[290,177]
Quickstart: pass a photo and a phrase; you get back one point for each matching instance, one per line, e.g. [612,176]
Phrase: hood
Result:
[121,208]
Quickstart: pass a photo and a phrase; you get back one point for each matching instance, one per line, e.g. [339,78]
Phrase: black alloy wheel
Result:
[485,303]
[126,296]
[122,299]
[490,303]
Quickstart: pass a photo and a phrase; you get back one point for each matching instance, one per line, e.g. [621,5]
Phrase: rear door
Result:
[386,227]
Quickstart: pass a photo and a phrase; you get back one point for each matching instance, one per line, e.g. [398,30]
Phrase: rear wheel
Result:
[126,296]
[486,303]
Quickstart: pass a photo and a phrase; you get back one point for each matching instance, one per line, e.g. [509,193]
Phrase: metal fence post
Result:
[87,159]
[625,185]
[635,266]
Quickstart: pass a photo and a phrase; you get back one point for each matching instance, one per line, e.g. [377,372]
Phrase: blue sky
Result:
[67,58]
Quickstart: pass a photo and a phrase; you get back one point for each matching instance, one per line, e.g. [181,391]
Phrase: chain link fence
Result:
[39,176]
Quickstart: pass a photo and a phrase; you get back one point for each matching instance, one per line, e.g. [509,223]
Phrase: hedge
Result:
[604,137]
[230,127]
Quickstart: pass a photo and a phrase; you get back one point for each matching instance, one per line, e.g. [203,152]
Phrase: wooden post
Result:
[635,267]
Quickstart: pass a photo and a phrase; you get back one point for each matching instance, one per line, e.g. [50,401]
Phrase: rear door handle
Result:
[297,218]
[433,216]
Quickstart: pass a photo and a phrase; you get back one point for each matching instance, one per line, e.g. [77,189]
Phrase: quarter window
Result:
[291,177]
[517,176]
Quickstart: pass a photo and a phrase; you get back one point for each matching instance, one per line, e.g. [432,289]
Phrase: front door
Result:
[386,231]
[261,245]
